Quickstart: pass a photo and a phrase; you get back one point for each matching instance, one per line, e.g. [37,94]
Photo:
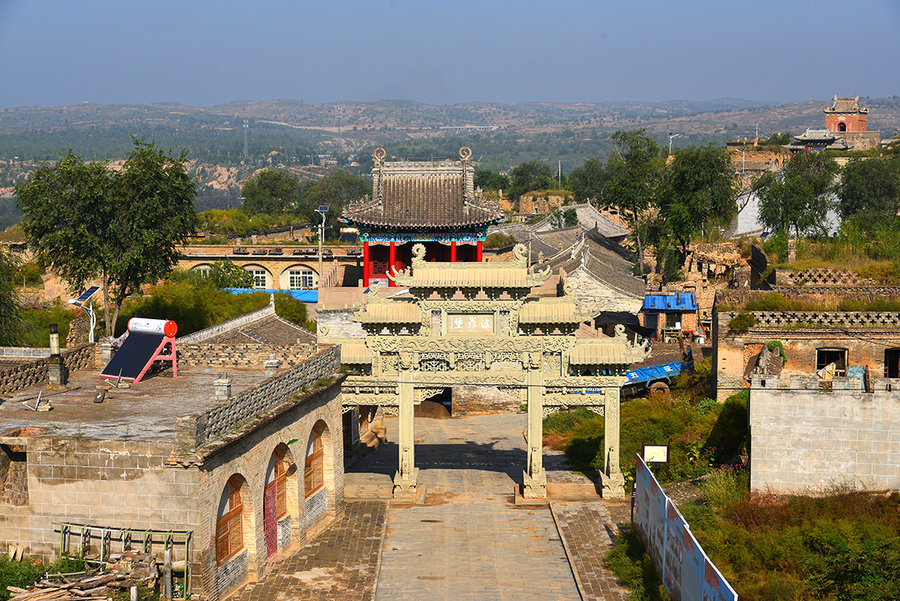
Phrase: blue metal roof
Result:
[306,296]
[679,301]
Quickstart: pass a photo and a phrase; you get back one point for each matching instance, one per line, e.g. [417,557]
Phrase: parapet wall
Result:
[805,438]
[241,355]
[33,373]
[194,431]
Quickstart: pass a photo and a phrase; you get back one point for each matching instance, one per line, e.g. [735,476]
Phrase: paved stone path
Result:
[586,530]
[466,542]
[338,565]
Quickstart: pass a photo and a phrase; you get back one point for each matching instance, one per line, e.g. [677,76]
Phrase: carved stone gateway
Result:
[473,324]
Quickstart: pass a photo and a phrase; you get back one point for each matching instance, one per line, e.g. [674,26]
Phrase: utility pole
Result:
[321,211]
[246,150]
[559,174]
[672,137]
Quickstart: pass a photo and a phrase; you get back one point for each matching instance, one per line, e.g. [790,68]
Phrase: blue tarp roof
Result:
[679,301]
[307,296]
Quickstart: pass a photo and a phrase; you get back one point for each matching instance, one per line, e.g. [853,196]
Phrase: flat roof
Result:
[144,411]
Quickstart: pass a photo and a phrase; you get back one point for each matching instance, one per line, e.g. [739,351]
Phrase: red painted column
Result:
[453,251]
[391,259]
[366,264]
[478,252]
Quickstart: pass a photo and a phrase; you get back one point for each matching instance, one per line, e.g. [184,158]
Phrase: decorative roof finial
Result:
[465,153]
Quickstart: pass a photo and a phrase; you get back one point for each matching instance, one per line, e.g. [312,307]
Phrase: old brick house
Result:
[240,465]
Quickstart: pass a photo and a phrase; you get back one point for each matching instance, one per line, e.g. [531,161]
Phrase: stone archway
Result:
[475,324]
[280,506]
[234,533]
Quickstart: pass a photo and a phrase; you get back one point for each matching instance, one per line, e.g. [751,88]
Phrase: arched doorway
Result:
[234,531]
[279,501]
[842,126]
[318,464]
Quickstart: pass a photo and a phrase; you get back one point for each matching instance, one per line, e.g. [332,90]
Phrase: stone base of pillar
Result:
[535,487]
[613,486]
[58,374]
[406,488]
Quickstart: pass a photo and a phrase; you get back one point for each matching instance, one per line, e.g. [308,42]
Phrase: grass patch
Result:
[634,568]
[25,572]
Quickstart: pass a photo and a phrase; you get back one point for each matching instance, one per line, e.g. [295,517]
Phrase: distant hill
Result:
[312,139]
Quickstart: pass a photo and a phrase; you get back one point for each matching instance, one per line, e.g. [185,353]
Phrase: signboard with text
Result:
[467,323]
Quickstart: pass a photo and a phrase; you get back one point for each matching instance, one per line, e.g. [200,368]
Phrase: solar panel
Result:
[87,294]
[131,359]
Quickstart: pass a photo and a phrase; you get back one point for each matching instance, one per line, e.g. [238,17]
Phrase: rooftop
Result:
[144,411]
[846,105]
[423,194]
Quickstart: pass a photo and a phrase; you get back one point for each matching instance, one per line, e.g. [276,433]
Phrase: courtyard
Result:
[465,537]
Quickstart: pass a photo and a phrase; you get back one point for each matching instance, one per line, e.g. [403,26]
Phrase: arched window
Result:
[279,481]
[842,126]
[229,526]
[315,472]
[260,277]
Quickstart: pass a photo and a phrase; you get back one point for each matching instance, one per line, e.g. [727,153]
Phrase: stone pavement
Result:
[587,530]
[340,564]
[466,542]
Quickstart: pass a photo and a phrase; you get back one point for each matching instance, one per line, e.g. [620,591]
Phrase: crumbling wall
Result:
[806,439]
[241,355]
[33,373]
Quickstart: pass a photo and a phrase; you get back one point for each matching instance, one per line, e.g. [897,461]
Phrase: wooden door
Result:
[270,521]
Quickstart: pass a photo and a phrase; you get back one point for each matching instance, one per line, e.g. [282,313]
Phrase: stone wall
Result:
[33,373]
[339,325]
[226,326]
[481,400]
[241,355]
[805,439]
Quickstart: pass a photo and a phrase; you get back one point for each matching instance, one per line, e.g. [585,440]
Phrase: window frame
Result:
[314,465]
[230,526]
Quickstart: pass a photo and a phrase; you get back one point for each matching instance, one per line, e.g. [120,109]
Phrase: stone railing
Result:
[242,355]
[227,326]
[812,382]
[331,274]
[826,319]
[823,277]
[193,431]
[34,373]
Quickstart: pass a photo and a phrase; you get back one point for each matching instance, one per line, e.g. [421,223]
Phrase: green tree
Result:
[336,190]
[797,197]
[699,193]
[587,182]
[271,191]
[870,186]
[491,180]
[89,222]
[9,309]
[633,178]
[225,274]
[529,176]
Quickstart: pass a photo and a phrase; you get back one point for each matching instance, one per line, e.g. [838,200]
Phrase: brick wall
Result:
[807,439]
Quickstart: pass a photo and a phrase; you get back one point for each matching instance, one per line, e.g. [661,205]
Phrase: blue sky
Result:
[203,52]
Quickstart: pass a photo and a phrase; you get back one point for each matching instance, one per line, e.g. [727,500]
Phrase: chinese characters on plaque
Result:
[470,324]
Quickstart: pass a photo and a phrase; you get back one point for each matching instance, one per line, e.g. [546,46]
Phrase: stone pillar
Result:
[792,250]
[535,479]
[106,353]
[56,368]
[222,386]
[271,366]
[407,474]
[611,477]
[392,259]
[366,264]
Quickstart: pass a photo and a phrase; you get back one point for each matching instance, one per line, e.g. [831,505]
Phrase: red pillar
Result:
[478,252]
[366,264]
[391,259]
[453,251]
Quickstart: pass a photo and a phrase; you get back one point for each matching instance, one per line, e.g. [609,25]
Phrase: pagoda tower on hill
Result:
[433,203]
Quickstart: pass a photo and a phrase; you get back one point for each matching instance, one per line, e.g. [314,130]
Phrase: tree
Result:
[491,180]
[9,309]
[529,176]
[633,178]
[271,191]
[797,197]
[225,274]
[870,186]
[699,193]
[336,190]
[587,182]
[89,222]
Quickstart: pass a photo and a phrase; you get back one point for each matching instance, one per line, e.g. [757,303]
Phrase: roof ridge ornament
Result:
[465,153]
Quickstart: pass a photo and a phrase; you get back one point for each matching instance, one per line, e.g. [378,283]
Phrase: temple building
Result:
[845,129]
[433,203]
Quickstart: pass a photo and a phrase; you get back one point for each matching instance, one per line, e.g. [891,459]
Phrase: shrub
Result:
[17,573]
[777,344]
[742,322]
[499,240]
[36,324]
[29,274]
[293,310]
[726,486]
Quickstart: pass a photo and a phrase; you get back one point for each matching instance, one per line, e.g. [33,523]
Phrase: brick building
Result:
[243,464]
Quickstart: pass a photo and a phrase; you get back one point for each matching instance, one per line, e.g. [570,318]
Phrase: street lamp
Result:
[88,308]
[672,136]
[321,211]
